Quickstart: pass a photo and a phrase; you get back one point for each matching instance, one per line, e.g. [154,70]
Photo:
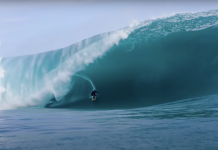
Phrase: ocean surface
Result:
[157,83]
[183,125]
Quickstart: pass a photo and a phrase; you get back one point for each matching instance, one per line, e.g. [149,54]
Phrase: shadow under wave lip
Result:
[178,66]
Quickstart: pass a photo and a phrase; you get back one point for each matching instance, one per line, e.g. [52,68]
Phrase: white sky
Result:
[37,26]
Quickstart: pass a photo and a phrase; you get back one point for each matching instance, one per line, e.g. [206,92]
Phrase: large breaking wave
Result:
[153,62]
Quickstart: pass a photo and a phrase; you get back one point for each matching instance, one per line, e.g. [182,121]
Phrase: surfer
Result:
[93,94]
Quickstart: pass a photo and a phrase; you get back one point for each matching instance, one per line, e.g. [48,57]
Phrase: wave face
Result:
[153,62]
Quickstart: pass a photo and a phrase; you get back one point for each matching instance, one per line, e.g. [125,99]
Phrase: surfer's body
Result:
[93,94]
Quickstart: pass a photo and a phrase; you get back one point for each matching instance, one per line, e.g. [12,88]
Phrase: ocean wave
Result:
[152,62]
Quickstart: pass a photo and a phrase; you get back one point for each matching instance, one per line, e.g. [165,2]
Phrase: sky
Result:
[35,26]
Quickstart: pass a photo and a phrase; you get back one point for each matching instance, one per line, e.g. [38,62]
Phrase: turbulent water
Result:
[148,63]
[157,83]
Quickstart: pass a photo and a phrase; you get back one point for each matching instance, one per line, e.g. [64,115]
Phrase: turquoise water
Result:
[153,62]
[157,83]
[189,124]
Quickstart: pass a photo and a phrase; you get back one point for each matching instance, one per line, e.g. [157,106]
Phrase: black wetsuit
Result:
[94,93]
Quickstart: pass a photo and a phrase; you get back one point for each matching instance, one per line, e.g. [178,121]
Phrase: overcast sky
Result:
[34,26]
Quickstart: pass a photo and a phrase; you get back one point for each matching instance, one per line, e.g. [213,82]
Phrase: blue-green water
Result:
[157,82]
[183,125]
[149,63]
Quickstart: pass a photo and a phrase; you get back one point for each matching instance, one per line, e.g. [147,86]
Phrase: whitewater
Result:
[157,83]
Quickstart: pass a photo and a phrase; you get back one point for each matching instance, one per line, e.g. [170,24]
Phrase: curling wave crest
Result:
[152,62]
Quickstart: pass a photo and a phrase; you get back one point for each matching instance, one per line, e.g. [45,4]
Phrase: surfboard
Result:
[93,99]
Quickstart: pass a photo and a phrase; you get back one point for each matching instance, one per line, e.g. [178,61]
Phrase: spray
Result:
[2,72]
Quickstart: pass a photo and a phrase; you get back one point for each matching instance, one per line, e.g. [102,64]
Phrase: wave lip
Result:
[34,80]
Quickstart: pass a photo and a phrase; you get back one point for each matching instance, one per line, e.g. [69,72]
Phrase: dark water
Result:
[181,65]
[188,124]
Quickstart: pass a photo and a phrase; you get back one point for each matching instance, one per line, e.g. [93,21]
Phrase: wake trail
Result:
[86,78]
